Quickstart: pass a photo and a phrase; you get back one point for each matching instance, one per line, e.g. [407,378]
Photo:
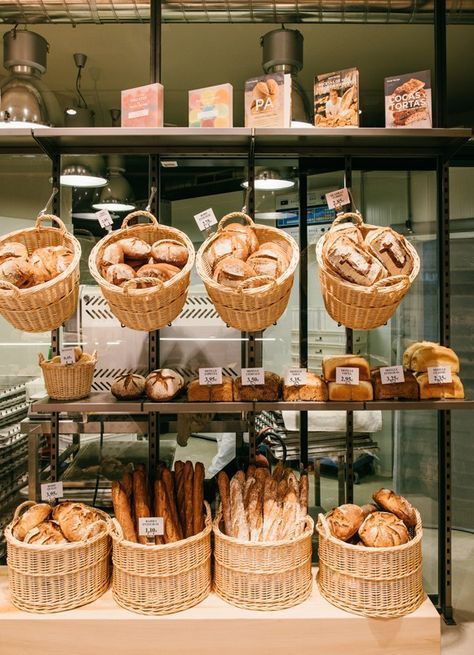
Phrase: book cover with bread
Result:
[268,101]
[143,106]
[408,100]
[211,106]
[336,99]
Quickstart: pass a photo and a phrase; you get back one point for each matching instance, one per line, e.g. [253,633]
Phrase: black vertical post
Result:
[155,41]
[55,334]
[349,349]
[441,76]
[254,348]
[303,299]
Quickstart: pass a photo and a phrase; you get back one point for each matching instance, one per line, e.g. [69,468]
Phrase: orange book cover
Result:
[143,106]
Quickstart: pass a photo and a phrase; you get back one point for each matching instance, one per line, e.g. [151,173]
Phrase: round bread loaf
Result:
[163,384]
[45,534]
[30,519]
[119,273]
[128,386]
[13,249]
[345,520]
[383,530]
[63,256]
[17,271]
[77,521]
[170,251]
[244,232]
[135,248]
[228,244]
[391,502]
[231,272]
[264,265]
[163,272]
[113,254]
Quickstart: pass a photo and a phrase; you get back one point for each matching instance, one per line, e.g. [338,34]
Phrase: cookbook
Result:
[211,106]
[268,101]
[143,106]
[336,99]
[408,100]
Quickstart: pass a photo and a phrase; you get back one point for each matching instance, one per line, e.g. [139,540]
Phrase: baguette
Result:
[198,498]
[304,494]
[163,508]
[127,484]
[140,501]
[281,490]
[289,515]
[179,485]
[278,472]
[271,511]
[240,528]
[255,511]
[224,491]
[167,480]
[247,491]
[262,474]
[123,512]
[160,501]
[290,477]
[251,471]
[188,498]
[240,477]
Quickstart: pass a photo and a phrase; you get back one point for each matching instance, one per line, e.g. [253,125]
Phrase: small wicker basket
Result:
[68,382]
[46,306]
[378,582]
[356,306]
[161,579]
[154,307]
[270,575]
[254,309]
[46,579]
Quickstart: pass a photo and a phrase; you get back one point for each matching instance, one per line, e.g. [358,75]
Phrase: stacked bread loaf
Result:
[25,270]
[387,523]
[132,258]
[44,525]
[423,358]
[259,506]
[361,390]
[177,498]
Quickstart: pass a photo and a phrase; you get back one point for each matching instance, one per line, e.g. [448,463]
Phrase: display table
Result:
[215,628]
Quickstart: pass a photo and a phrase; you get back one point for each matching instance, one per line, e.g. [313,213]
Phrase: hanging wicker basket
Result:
[59,577]
[45,306]
[68,382]
[250,309]
[157,305]
[161,579]
[378,582]
[356,306]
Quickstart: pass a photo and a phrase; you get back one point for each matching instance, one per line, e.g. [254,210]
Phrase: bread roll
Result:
[347,361]
[212,392]
[118,274]
[231,272]
[391,250]
[123,512]
[228,244]
[240,528]
[163,385]
[345,521]
[314,389]
[269,391]
[275,251]
[128,387]
[31,519]
[350,392]
[453,389]
[383,530]
[427,356]
[353,263]
[45,534]
[223,483]
[169,251]
[19,272]
[411,349]
[407,390]
[391,502]
[135,248]
[347,230]
[13,249]
[163,272]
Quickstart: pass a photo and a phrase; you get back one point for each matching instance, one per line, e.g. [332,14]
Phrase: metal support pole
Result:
[349,349]
[303,299]
[441,76]
[55,334]
[254,353]
[155,41]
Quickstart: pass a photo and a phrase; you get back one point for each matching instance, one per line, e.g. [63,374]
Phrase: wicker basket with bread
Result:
[365,271]
[143,271]
[69,381]
[248,271]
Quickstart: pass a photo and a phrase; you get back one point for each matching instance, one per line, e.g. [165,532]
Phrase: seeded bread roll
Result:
[389,501]
[383,530]
[347,361]
[169,251]
[314,389]
[269,391]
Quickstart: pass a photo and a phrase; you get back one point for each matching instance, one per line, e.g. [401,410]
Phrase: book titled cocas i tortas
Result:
[268,101]
[408,100]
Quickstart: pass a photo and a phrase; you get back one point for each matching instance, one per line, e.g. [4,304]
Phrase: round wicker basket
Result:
[250,309]
[57,578]
[46,306]
[161,579]
[270,575]
[71,382]
[155,306]
[378,582]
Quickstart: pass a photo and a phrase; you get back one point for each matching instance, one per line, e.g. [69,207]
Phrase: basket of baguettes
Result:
[364,270]
[262,539]
[68,381]
[167,572]
[248,271]
[58,558]
[370,557]
[143,271]
[39,276]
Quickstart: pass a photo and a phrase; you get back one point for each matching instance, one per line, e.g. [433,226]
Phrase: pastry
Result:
[13,249]
[411,349]
[407,390]
[123,512]
[269,391]
[349,392]
[163,385]
[211,392]
[315,388]
[391,250]
[426,356]
[231,272]
[31,519]
[345,521]
[352,262]
[453,389]
[389,501]
[245,233]
[119,273]
[383,530]
[19,272]
[113,254]
[347,361]
[128,387]
[135,248]
[228,244]
[45,534]
[223,483]
[169,251]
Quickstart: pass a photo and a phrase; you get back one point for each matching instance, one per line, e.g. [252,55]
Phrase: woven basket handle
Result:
[53,219]
[140,212]
[243,285]
[324,524]
[8,286]
[132,284]
[41,358]
[403,280]
[355,218]
[225,219]
[19,510]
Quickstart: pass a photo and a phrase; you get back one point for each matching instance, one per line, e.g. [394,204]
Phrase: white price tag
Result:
[439,374]
[51,490]
[151,526]
[104,218]
[295,377]
[337,199]
[345,375]
[392,374]
[210,376]
[205,219]
[252,377]
[67,356]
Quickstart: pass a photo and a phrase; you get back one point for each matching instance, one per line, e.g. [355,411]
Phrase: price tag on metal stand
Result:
[392,374]
[440,375]
[337,199]
[346,375]
[205,219]
[104,218]
[151,526]
[51,490]
[295,377]
[210,376]
[252,377]
[67,356]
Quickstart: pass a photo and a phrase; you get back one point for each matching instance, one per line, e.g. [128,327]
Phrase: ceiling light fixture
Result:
[84,171]
[79,115]
[117,195]
[268,179]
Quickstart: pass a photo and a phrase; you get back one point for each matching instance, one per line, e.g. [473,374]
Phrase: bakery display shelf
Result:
[436,405]
[96,403]
[18,140]
[322,406]
[184,407]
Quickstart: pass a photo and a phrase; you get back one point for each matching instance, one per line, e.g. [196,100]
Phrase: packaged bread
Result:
[411,349]
[347,392]
[170,251]
[347,361]
[353,263]
[426,356]
[163,384]
[211,392]
[128,387]
[389,501]
[391,250]
[383,530]
[314,389]
[407,390]
[268,391]
[453,389]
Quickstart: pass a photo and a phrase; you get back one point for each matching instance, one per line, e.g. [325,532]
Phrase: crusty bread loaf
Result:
[135,248]
[13,249]
[128,387]
[407,390]
[231,272]
[113,254]
[163,385]
[170,251]
[383,530]
[198,498]
[78,521]
[212,392]
[45,534]
[427,356]
[391,250]
[228,244]
[347,361]
[352,262]
[31,519]
[314,389]
[163,272]
[240,528]
[389,501]
[453,389]
[123,512]
[245,233]
[269,391]
[117,274]
[344,521]
[20,273]
[347,230]
[223,483]
[411,349]
[350,392]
